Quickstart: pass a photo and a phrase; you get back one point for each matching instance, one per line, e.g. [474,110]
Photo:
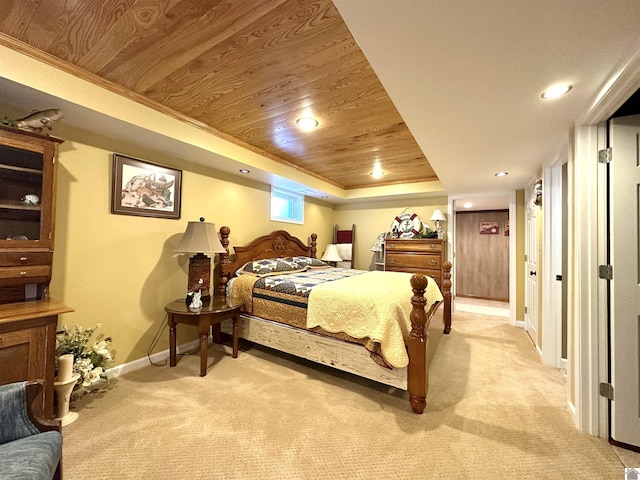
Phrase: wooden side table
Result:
[219,308]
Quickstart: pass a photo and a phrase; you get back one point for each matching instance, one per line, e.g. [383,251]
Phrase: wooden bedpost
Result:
[446,293]
[224,261]
[417,376]
[312,247]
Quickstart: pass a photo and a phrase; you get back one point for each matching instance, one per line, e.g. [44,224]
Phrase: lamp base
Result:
[200,276]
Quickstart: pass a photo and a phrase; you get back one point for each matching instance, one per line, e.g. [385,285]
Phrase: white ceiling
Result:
[466,76]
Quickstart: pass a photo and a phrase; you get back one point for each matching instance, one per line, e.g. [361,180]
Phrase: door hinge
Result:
[605,272]
[525,257]
[525,309]
[606,390]
[605,155]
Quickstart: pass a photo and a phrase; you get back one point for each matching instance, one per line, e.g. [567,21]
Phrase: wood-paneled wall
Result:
[482,260]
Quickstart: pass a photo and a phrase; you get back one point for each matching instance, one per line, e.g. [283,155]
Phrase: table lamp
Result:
[200,238]
[331,254]
[438,217]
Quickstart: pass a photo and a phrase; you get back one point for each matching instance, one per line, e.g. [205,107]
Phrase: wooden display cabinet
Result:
[28,318]
[27,206]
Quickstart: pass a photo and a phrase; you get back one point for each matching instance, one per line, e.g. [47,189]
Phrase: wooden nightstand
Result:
[217,310]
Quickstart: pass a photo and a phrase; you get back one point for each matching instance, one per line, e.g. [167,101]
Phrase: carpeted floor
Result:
[493,412]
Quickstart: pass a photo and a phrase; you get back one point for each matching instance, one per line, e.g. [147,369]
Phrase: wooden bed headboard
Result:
[277,244]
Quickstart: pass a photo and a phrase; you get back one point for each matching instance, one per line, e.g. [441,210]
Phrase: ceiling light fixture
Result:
[244,170]
[467,205]
[307,123]
[502,174]
[377,171]
[556,91]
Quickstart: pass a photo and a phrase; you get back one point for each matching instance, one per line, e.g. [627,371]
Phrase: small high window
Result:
[286,206]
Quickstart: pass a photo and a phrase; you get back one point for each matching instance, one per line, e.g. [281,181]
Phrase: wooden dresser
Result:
[423,255]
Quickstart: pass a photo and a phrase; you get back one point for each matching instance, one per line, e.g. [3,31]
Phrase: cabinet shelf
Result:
[14,168]
[19,206]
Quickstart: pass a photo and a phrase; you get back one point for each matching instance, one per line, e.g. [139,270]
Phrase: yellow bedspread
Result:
[375,305]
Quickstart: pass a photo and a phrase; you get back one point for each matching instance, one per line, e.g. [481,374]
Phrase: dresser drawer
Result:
[413,246]
[16,258]
[34,271]
[414,260]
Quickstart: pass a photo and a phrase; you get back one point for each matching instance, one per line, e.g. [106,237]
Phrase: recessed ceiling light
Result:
[307,123]
[467,204]
[377,171]
[556,91]
[244,170]
[502,174]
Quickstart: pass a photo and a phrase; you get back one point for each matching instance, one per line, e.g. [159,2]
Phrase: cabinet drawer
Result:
[25,258]
[25,272]
[9,339]
[414,260]
[413,246]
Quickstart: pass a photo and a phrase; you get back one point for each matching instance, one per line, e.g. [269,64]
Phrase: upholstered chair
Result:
[30,448]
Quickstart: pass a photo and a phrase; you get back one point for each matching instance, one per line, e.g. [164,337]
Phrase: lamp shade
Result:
[437,215]
[200,237]
[331,254]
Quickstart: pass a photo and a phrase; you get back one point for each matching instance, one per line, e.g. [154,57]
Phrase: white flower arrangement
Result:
[89,361]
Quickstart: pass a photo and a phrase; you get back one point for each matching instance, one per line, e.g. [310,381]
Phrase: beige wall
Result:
[375,217]
[120,270]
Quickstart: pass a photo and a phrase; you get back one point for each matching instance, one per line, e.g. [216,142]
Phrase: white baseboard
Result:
[520,323]
[156,357]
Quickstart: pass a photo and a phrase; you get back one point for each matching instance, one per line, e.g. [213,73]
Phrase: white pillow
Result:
[344,250]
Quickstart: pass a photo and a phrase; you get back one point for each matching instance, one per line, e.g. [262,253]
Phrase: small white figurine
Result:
[31,199]
[196,301]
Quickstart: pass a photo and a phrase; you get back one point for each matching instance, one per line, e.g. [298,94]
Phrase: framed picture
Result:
[145,189]
[489,228]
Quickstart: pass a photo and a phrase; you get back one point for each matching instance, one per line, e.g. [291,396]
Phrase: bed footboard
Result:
[418,369]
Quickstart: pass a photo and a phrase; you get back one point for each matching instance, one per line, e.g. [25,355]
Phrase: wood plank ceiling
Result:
[245,69]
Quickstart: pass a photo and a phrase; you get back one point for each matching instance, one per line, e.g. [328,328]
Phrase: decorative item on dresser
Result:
[28,318]
[438,217]
[273,277]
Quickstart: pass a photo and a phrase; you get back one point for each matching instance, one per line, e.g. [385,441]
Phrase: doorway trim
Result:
[552,264]
[587,304]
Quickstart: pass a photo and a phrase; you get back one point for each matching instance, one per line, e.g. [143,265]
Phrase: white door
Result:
[531,271]
[625,286]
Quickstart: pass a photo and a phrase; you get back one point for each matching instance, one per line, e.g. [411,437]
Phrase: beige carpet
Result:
[493,412]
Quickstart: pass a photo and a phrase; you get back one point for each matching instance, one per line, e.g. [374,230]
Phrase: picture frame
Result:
[145,189]
[489,228]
